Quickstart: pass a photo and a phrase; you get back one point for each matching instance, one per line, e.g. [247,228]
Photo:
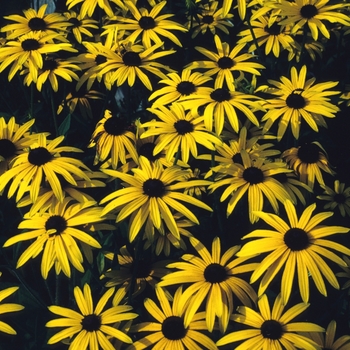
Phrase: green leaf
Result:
[65,125]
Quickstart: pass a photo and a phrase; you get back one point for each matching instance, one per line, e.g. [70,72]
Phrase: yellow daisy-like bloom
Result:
[300,246]
[326,340]
[312,13]
[35,22]
[80,25]
[51,69]
[268,32]
[209,17]
[307,161]
[170,331]
[178,86]
[131,62]
[113,136]
[28,49]
[221,105]
[179,132]
[92,327]
[8,307]
[298,99]
[138,274]
[42,160]
[213,278]
[149,25]
[255,177]
[150,193]
[14,139]
[225,63]
[339,197]
[272,329]
[56,233]
[88,6]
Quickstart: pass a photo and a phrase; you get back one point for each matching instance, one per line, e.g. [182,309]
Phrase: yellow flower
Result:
[92,327]
[57,232]
[150,193]
[9,307]
[298,246]
[213,277]
[272,329]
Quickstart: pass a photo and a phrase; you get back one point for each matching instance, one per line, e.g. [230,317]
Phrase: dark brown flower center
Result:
[275,29]
[76,23]
[116,126]
[296,100]
[50,64]
[37,23]
[142,270]
[146,150]
[132,59]
[147,22]
[91,323]
[207,19]
[30,44]
[296,239]
[225,62]
[7,148]
[173,328]
[237,158]
[153,188]
[183,127]
[253,175]
[186,88]
[271,329]
[215,273]
[99,59]
[309,153]
[308,11]
[339,198]
[39,156]
[56,222]
[220,95]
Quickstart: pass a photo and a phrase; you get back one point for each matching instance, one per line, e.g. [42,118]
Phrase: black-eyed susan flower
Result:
[150,193]
[307,161]
[80,25]
[169,330]
[212,277]
[14,139]
[313,13]
[225,63]
[149,25]
[268,33]
[179,132]
[114,136]
[8,307]
[326,340]
[222,105]
[255,177]
[52,69]
[57,232]
[35,22]
[298,99]
[298,246]
[137,273]
[271,329]
[209,17]
[42,162]
[92,327]
[339,197]
[189,83]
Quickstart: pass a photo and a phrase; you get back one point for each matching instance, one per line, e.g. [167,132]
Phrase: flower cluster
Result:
[174,174]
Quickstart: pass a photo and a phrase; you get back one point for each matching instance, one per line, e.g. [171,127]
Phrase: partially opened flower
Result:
[169,330]
[214,279]
[57,233]
[92,327]
[299,246]
[8,307]
[271,329]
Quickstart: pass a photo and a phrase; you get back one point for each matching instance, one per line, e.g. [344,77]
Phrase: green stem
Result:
[53,111]
[177,156]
